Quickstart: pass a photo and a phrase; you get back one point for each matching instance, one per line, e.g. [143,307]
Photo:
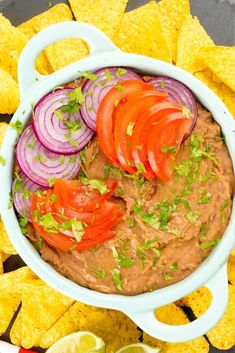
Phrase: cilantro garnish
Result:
[40,158]
[73,126]
[99,273]
[183,169]
[70,140]
[107,171]
[95,184]
[162,84]
[108,75]
[2,161]
[116,275]
[167,276]
[174,266]
[165,210]
[193,217]
[51,181]
[210,244]
[166,149]
[17,125]
[120,71]
[222,210]
[131,223]
[206,198]
[26,194]
[39,243]
[18,184]
[186,112]
[130,128]
[10,203]
[89,75]
[23,221]
[119,192]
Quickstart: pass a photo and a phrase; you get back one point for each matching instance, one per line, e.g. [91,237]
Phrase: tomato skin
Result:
[129,113]
[176,126]
[142,131]
[105,114]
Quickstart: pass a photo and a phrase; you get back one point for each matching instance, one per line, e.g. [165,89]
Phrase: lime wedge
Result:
[78,342]
[138,348]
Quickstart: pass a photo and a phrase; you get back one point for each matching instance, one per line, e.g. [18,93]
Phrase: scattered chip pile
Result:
[165,31]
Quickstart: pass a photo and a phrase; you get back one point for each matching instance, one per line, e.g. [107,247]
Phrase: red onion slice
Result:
[178,93]
[22,190]
[41,165]
[95,90]
[50,129]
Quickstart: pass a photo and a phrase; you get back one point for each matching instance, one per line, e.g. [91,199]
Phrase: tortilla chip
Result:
[222,90]
[66,51]
[10,94]
[11,294]
[173,315]
[233,252]
[3,129]
[105,15]
[5,243]
[42,306]
[221,61]
[12,41]
[192,37]
[113,326]
[231,269]
[140,32]
[171,14]
[1,263]
[16,330]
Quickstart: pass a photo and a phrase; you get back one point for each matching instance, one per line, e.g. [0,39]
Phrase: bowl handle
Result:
[97,41]
[218,285]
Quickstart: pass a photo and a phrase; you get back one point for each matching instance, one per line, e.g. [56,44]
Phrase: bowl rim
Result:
[29,254]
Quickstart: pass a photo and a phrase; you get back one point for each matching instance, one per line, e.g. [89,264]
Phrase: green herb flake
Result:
[99,273]
[17,125]
[222,210]
[120,71]
[73,126]
[117,280]
[204,229]
[119,191]
[51,181]
[130,128]
[170,149]
[205,198]
[95,184]
[107,171]
[174,266]
[186,112]
[10,202]
[167,276]
[193,217]
[23,221]
[183,169]
[62,159]
[131,223]
[53,197]
[40,158]
[108,75]
[162,84]
[26,194]
[2,161]
[70,140]
[77,96]
[210,244]
[18,184]
[120,88]
[89,75]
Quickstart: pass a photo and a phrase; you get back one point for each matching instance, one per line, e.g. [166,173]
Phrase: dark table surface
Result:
[217,16]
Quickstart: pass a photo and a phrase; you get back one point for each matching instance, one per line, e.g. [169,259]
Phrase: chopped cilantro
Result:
[23,221]
[77,229]
[206,198]
[185,192]
[119,192]
[89,75]
[73,126]
[162,84]
[120,71]
[166,149]
[72,159]
[108,75]
[204,229]
[210,244]
[165,210]
[58,113]
[2,161]
[83,156]
[10,203]
[95,184]
[77,96]
[26,194]
[70,140]
[140,182]
[48,222]
[193,217]
[40,158]
[120,88]
[140,169]
[18,184]
[40,243]
[174,266]
[222,210]
[131,223]
[107,171]
[62,159]
[116,275]
[130,128]
[99,273]
[53,197]
[51,181]
[205,178]
[186,112]
[183,169]
[167,276]
[17,125]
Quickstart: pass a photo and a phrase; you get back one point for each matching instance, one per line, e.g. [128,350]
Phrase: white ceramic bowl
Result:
[140,308]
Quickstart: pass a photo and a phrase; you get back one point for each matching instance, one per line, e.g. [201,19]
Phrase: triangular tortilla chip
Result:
[113,326]
[192,37]
[12,41]
[173,315]
[42,306]
[11,294]
[171,14]
[105,15]
[3,129]
[16,330]
[233,252]
[140,32]
[1,263]
[222,90]
[231,269]
[5,243]
[221,61]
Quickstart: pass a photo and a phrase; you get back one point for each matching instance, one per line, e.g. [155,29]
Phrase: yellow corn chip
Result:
[5,244]
[198,300]
[221,61]
[222,90]
[233,251]
[231,269]
[10,94]
[16,330]
[11,294]
[113,326]
[1,263]
[173,315]
[42,306]
[66,51]
[3,129]
[171,14]
[192,37]
[141,32]
[105,15]
[12,41]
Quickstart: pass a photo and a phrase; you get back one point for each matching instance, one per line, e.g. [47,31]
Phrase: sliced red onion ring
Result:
[95,90]
[41,165]
[22,190]
[50,129]
[178,93]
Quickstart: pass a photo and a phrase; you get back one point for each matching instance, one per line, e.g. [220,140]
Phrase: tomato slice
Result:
[142,130]
[125,119]
[80,197]
[105,115]
[167,134]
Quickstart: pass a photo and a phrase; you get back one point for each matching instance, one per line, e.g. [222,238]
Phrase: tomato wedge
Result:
[105,115]
[125,119]
[74,194]
[142,130]
[164,142]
